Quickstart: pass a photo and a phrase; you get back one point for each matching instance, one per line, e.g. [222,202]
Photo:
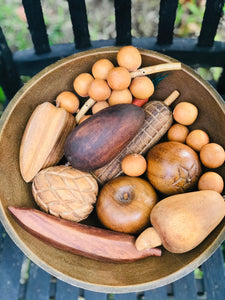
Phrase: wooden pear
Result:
[181,222]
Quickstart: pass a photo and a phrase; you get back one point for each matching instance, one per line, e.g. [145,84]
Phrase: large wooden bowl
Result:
[80,271]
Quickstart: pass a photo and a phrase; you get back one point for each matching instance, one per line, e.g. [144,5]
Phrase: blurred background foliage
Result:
[102,23]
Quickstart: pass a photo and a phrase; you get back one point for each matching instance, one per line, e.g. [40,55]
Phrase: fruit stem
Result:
[156,69]
[87,105]
[171,98]
[125,196]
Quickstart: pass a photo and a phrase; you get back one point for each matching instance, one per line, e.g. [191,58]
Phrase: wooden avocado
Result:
[97,140]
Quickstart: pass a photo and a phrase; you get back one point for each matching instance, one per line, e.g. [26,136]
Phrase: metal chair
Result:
[203,51]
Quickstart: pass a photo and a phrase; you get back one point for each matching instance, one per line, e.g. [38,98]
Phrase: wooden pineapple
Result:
[65,192]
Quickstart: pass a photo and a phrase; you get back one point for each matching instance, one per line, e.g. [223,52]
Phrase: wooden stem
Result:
[156,69]
[171,98]
[140,72]
[148,239]
[87,105]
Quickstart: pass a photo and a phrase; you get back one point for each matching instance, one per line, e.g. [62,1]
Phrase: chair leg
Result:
[221,83]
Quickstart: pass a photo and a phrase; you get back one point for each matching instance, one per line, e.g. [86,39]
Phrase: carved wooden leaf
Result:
[43,139]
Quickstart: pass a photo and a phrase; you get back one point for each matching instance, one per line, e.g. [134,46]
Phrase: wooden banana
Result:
[88,241]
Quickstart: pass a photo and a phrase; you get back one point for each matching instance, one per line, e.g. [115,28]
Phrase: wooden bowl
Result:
[83,272]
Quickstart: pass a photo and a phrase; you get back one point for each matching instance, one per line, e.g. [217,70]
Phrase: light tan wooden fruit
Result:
[43,139]
[183,221]
[65,192]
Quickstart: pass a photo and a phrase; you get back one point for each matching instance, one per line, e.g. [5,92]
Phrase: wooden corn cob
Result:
[158,120]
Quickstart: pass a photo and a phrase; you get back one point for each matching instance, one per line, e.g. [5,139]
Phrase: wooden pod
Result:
[101,137]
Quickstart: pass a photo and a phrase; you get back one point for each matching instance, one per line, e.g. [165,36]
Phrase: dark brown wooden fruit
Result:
[173,167]
[101,137]
[88,241]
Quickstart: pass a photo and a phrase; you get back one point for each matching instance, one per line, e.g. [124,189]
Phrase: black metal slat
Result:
[221,83]
[36,25]
[167,16]
[123,22]
[212,15]
[9,78]
[79,21]
[182,49]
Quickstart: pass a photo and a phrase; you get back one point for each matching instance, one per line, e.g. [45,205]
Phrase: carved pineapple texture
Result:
[65,192]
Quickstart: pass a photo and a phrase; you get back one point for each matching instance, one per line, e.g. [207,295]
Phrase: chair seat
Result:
[22,279]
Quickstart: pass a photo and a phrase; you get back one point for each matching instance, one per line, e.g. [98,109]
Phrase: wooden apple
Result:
[124,204]
[173,168]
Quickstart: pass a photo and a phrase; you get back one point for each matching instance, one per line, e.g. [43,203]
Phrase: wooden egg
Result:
[129,57]
[81,84]
[211,181]
[119,78]
[68,100]
[178,133]
[134,164]
[101,68]
[185,113]
[141,87]
[196,139]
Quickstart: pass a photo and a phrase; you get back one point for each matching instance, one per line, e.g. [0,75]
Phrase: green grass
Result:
[13,27]
[2,96]
[188,19]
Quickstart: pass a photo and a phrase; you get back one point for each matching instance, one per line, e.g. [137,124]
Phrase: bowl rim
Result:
[53,271]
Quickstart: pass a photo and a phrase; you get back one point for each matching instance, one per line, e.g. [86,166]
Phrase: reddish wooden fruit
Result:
[139,102]
[88,241]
